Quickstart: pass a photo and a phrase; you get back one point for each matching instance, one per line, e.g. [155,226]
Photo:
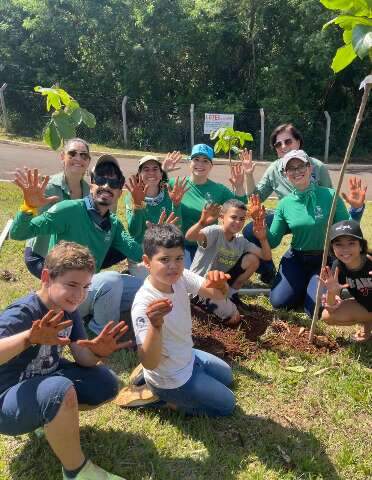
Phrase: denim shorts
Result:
[34,402]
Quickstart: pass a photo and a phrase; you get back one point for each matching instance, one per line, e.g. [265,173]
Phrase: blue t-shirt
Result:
[37,359]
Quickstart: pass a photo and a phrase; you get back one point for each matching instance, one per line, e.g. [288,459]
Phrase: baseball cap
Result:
[202,149]
[106,158]
[299,154]
[351,228]
[147,158]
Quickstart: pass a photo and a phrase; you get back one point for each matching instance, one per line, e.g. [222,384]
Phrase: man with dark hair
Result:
[89,222]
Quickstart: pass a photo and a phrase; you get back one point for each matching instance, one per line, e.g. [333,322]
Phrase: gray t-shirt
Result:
[218,253]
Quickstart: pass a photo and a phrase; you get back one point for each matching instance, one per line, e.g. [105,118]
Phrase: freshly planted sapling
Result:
[229,140]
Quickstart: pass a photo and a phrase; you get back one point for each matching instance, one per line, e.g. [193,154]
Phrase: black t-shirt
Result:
[37,359]
[360,281]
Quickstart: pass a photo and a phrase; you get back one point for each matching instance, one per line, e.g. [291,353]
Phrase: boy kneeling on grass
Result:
[222,247]
[38,388]
[184,378]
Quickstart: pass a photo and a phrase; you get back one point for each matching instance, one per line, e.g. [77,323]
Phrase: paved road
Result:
[12,156]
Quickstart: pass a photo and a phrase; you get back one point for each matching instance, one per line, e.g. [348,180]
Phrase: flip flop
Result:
[355,338]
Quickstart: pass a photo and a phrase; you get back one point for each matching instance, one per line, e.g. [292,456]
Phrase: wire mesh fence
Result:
[163,127]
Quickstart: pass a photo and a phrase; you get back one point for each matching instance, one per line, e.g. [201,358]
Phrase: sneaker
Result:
[137,396]
[94,472]
[241,306]
[137,376]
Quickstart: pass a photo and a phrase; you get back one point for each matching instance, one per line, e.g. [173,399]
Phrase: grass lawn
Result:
[315,424]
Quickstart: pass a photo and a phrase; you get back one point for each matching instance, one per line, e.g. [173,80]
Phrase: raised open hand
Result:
[178,191]
[156,311]
[108,341]
[171,218]
[210,214]
[259,226]
[33,187]
[171,161]
[45,331]
[218,280]
[237,176]
[330,280]
[255,208]
[137,189]
[246,157]
[356,195]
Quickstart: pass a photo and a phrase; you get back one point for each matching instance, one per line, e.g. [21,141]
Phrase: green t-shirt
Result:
[137,218]
[57,186]
[69,220]
[197,196]
[274,180]
[305,214]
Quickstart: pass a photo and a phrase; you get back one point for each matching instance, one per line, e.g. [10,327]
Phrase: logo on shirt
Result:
[140,322]
[318,212]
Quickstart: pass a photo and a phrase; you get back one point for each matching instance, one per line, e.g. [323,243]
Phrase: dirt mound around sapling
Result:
[230,343]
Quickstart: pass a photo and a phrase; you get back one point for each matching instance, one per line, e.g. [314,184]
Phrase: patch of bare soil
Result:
[230,343]
[8,276]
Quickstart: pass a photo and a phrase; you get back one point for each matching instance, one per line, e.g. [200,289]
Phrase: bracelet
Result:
[27,209]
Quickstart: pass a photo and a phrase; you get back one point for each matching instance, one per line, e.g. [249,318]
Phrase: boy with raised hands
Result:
[222,247]
[186,379]
[39,388]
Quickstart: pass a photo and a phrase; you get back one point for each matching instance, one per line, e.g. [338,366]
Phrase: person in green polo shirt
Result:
[202,190]
[89,222]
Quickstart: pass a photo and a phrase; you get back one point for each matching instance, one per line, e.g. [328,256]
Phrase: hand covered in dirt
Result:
[33,187]
[171,161]
[356,195]
[137,189]
[178,191]
[218,280]
[210,214]
[45,331]
[156,311]
[108,341]
[259,227]
[248,164]
[330,280]
[255,209]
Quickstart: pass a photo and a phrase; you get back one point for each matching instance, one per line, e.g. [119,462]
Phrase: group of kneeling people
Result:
[172,224]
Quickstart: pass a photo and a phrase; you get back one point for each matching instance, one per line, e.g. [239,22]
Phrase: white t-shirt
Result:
[177,358]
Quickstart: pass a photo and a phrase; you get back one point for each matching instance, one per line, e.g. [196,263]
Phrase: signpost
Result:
[214,121]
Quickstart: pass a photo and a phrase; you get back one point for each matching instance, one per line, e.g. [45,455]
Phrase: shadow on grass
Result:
[226,446]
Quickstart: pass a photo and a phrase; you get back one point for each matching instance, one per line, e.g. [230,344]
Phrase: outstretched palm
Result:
[248,164]
[330,280]
[33,187]
[171,161]
[108,341]
[137,189]
[210,213]
[178,191]
[356,195]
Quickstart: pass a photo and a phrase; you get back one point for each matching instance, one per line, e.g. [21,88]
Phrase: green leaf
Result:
[362,40]
[347,22]
[347,36]
[51,136]
[88,118]
[64,96]
[76,116]
[344,56]
[297,369]
[64,124]
[358,7]
[53,99]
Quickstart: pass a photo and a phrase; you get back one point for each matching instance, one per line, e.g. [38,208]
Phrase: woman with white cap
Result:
[67,184]
[202,190]
[149,197]
[303,213]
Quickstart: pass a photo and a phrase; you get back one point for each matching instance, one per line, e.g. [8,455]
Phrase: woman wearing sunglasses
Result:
[149,196]
[67,184]
[283,139]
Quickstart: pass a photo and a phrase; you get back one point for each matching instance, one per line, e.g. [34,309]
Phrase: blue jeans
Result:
[265,265]
[206,390]
[110,293]
[190,251]
[296,282]
[34,402]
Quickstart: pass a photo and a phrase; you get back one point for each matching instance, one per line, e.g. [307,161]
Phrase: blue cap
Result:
[202,149]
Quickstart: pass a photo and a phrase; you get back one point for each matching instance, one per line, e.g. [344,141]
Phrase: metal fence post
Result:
[192,132]
[262,137]
[124,115]
[328,131]
[2,102]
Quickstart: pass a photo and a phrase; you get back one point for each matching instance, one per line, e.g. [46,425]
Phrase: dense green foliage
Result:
[165,54]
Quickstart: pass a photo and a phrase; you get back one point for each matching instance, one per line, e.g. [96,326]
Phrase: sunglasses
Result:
[111,182]
[284,143]
[83,155]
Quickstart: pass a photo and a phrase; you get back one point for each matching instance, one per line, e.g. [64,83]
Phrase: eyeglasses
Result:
[111,182]
[284,143]
[83,155]
[300,169]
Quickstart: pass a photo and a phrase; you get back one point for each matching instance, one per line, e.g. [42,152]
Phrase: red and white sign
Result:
[214,121]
